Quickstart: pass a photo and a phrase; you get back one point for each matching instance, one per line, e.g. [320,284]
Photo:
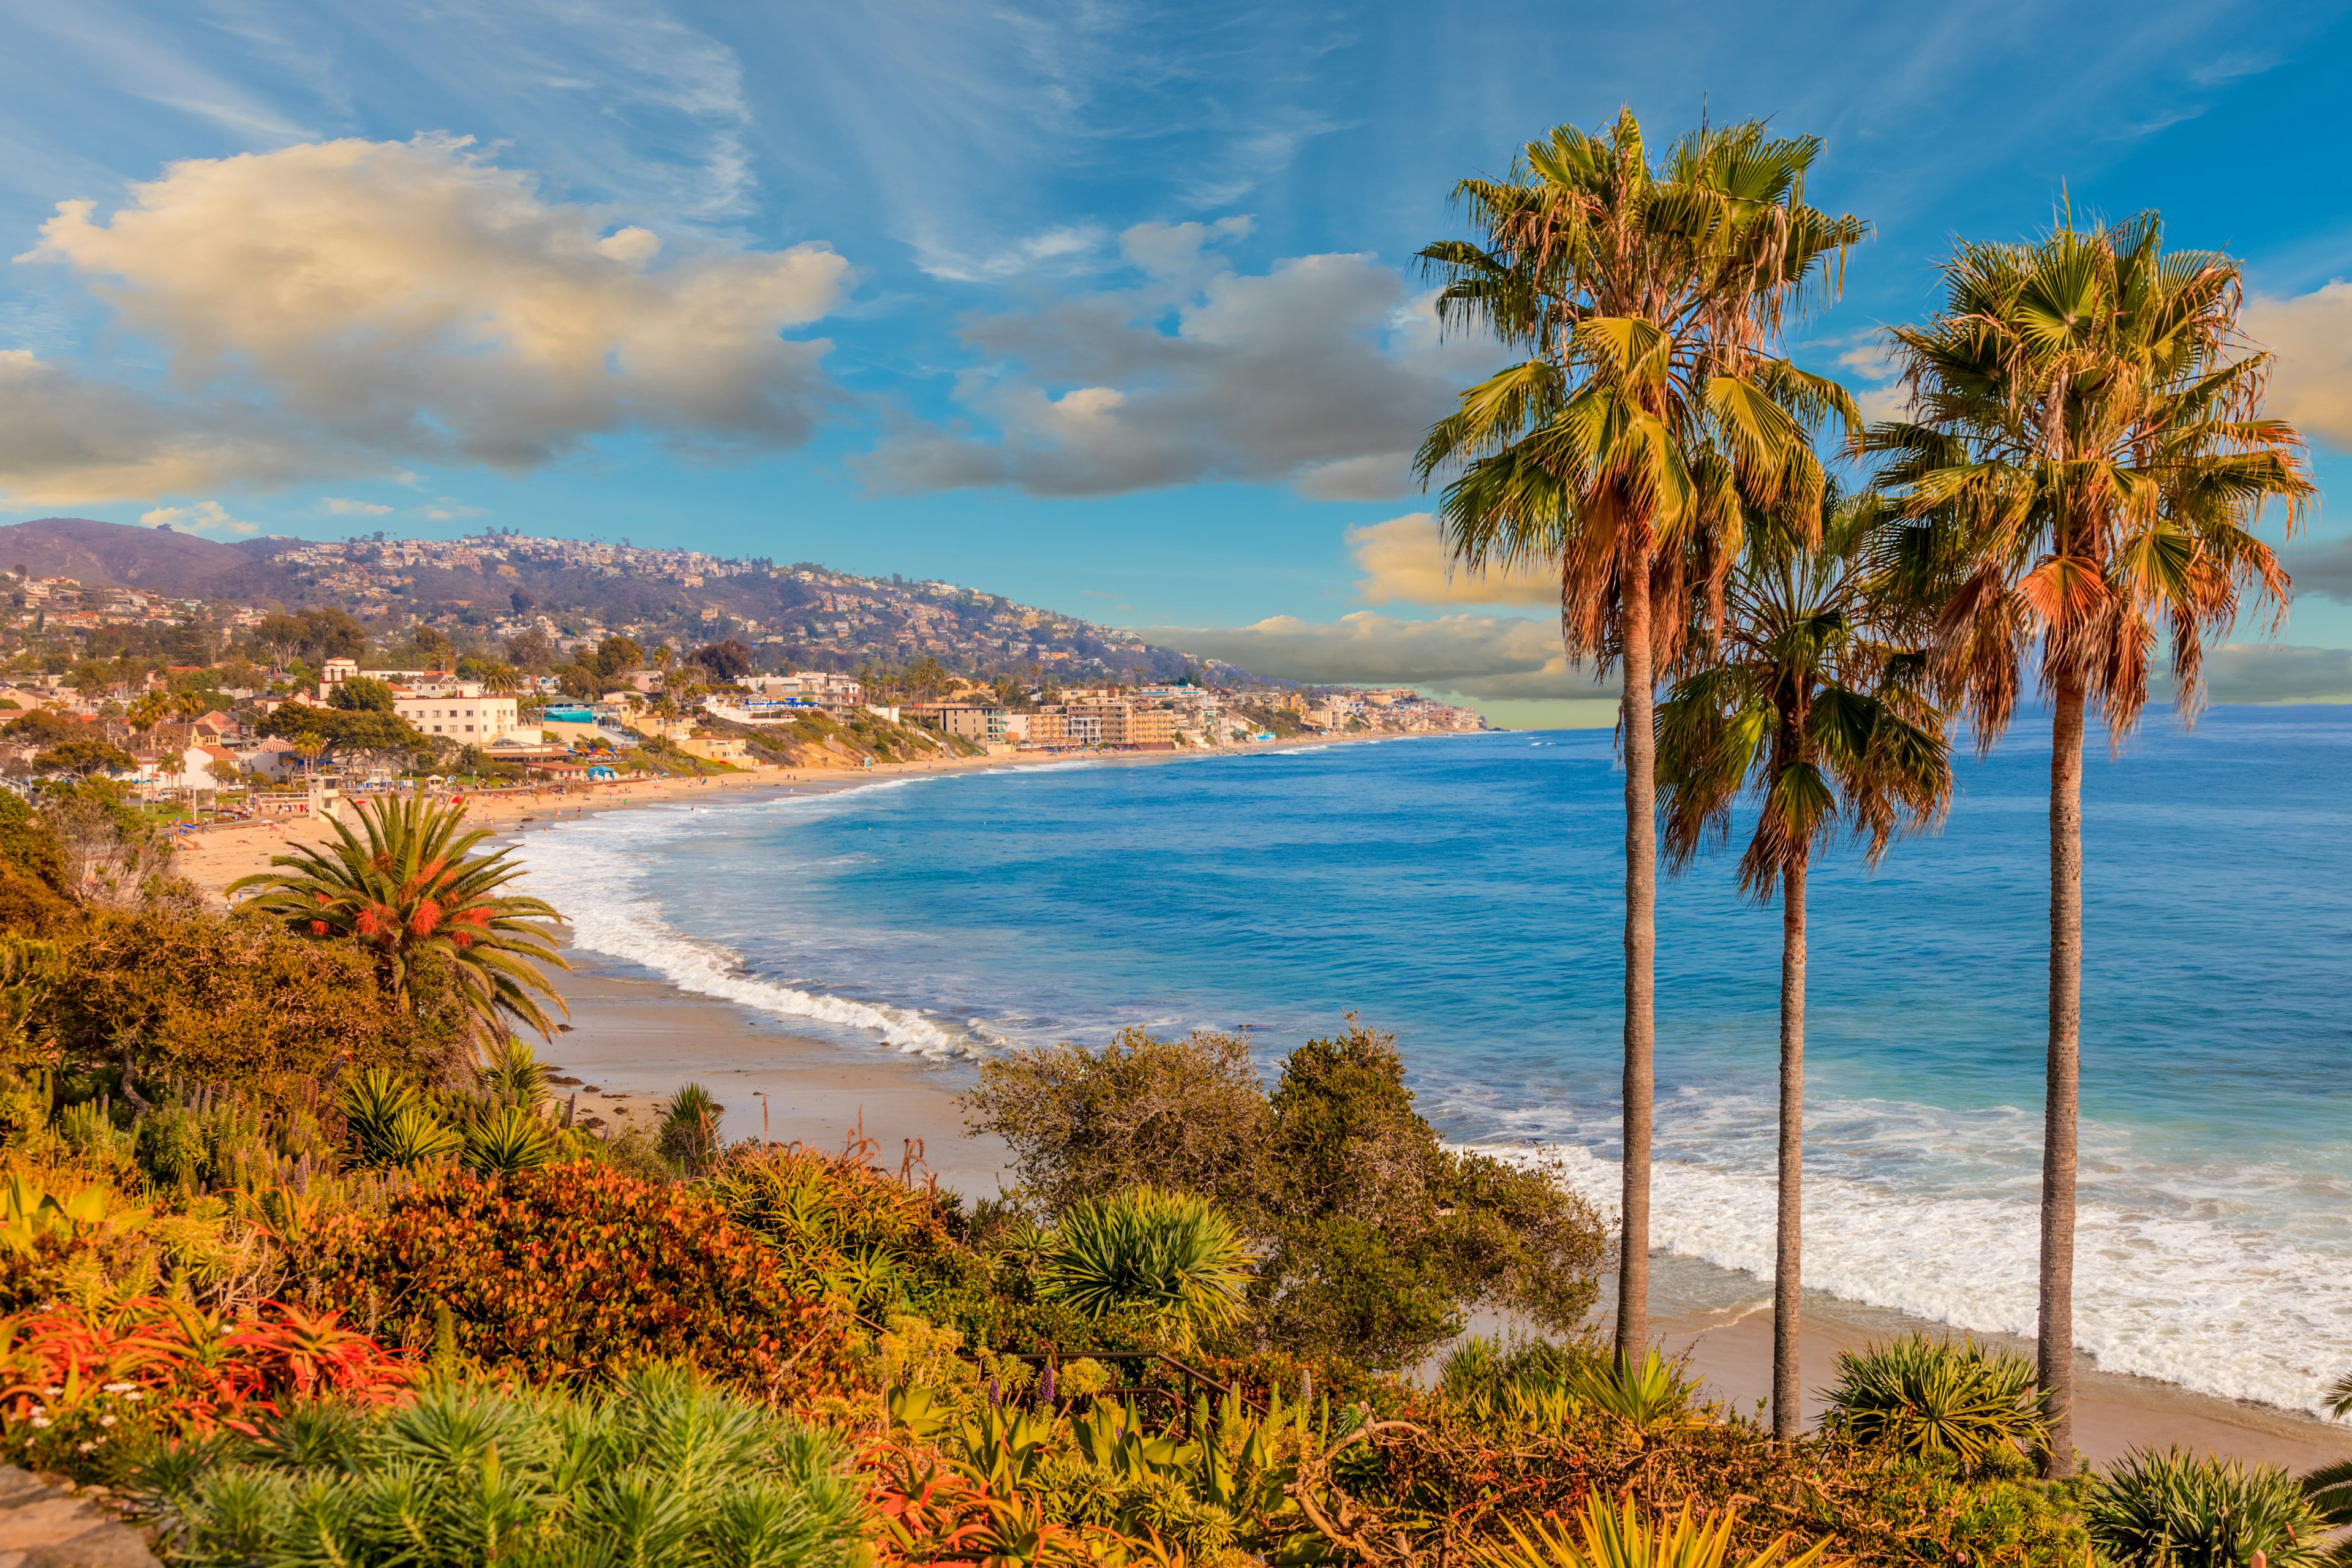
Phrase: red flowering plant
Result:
[78,1388]
[572,1273]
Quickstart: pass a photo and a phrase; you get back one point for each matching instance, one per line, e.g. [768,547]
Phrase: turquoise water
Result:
[1463,893]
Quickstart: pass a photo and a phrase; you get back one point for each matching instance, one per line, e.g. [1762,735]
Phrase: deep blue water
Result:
[1464,893]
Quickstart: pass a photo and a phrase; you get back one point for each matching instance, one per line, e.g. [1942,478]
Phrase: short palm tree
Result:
[2081,473]
[408,885]
[1811,708]
[1647,409]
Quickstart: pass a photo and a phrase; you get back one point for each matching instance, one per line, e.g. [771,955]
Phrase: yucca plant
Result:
[689,1133]
[508,1139]
[1624,1537]
[513,1075]
[1171,1252]
[1931,1396]
[665,1469]
[392,1124]
[2169,1511]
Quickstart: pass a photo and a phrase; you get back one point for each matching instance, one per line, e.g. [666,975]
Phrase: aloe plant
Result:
[1625,1536]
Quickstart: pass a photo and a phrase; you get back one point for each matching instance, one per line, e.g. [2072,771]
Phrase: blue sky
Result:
[1105,307]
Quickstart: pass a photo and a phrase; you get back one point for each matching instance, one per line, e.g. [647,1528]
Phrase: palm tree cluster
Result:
[2075,479]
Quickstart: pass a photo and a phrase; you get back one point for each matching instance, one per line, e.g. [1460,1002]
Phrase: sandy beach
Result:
[632,1038]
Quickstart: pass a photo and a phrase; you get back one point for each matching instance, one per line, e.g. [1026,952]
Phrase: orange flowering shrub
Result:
[74,1386]
[572,1272]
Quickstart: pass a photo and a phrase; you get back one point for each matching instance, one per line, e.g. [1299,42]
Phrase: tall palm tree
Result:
[1647,408]
[1813,706]
[2084,464]
[409,885]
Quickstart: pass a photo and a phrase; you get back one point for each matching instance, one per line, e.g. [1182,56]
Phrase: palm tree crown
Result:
[409,885]
[1809,704]
[2084,468]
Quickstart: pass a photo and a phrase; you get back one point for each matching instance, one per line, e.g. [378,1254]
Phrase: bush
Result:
[567,1273]
[1374,1239]
[661,1469]
[232,999]
[842,1228]
[2169,1511]
[1931,1396]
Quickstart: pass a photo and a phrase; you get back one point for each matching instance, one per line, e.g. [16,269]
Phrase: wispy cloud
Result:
[203,516]
[1487,657]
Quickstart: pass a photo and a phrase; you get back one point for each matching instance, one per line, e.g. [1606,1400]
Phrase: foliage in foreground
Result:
[2170,1510]
[1622,1537]
[660,1468]
[571,1273]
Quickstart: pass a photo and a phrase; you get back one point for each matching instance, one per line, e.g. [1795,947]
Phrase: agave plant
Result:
[665,1469]
[2170,1511]
[1931,1396]
[1624,1537]
[1171,1252]
[409,886]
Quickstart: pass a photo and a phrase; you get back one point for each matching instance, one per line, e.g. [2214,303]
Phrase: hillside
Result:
[492,586]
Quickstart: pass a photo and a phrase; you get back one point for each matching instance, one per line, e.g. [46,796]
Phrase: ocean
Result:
[1463,893]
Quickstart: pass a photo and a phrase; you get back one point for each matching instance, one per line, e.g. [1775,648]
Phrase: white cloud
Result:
[1488,656]
[336,506]
[1404,559]
[2312,335]
[1322,374]
[342,305]
[204,517]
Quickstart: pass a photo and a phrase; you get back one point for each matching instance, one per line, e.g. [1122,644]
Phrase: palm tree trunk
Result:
[1640,944]
[1787,1267]
[2056,1333]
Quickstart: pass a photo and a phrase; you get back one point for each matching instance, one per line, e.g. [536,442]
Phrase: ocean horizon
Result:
[1462,893]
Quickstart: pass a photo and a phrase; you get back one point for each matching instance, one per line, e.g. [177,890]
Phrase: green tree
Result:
[2083,465]
[617,656]
[409,886]
[361,694]
[358,736]
[1808,706]
[1647,412]
[80,759]
[44,727]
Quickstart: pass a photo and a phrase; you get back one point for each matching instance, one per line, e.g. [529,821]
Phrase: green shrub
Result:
[1931,1396]
[572,1272]
[2169,1511]
[661,1469]
[1374,1240]
[842,1228]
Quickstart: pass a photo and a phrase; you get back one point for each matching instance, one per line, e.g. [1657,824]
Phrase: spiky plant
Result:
[2171,1511]
[1172,1252]
[513,1075]
[689,1132]
[510,1138]
[1931,1396]
[409,888]
[1625,1536]
[665,1469]
[392,1125]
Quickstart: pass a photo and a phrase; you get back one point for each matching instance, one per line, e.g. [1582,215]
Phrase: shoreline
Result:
[634,1038]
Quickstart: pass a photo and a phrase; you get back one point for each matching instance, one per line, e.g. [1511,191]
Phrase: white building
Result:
[435,702]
